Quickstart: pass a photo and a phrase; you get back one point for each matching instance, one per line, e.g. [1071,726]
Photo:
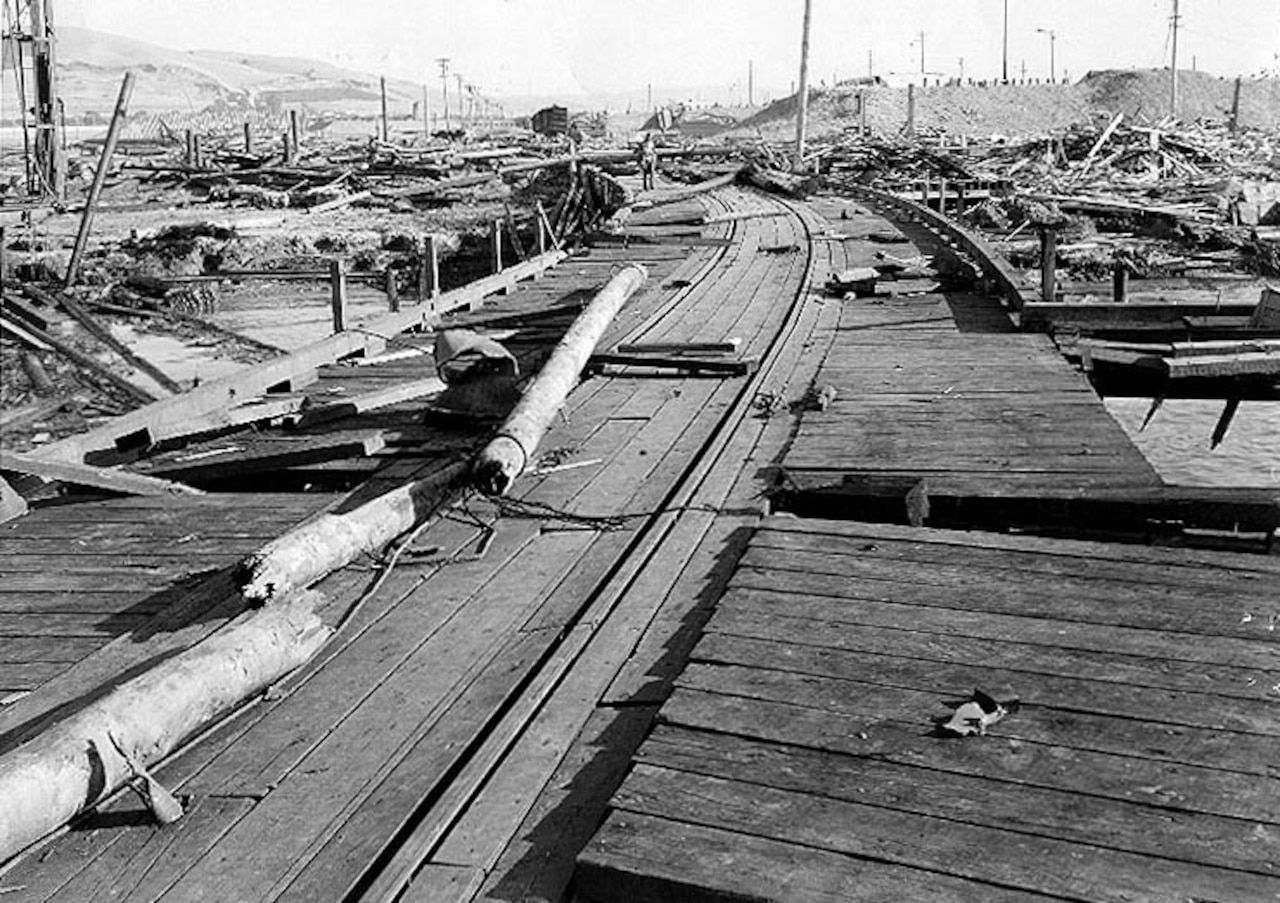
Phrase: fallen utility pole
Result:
[99,177]
[322,545]
[512,449]
[73,765]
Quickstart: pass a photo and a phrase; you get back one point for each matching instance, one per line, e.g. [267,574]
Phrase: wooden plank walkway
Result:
[798,757]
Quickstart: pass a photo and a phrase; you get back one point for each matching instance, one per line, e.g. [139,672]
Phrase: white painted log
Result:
[511,450]
[74,764]
[322,545]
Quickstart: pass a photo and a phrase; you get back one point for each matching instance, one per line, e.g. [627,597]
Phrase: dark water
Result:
[1176,442]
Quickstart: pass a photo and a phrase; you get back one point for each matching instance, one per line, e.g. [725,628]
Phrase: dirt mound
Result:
[1018,110]
[1143,95]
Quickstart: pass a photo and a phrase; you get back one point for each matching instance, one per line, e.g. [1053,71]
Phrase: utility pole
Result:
[1004,54]
[462,110]
[962,70]
[382,80]
[50,163]
[1173,67]
[444,88]
[921,42]
[426,113]
[802,112]
[871,64]
[1053,66]
[751,83]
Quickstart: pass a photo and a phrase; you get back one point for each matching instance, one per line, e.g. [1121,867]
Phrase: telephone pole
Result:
[48,146]
[1004,54]
[920,40]
[802,112]
[1053,64]
[444,88]
[751,83]
[1173,67]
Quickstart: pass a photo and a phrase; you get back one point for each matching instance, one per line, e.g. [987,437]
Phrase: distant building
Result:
[550,121]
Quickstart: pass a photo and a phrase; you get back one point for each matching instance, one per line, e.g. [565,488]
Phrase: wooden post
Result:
[338,292]
[942,196]
[429,270]
[287,146]
[4,256]
[862,113]
[960,199]
[295,135]
[1119,282]
[190,158]
[393,294]
[911,111]
[924,192]
[197,151]
[1235,106]
[385,133]
[496,251]
[426,116]
[248,138]
[1048,263]
[100,177]
[802,113]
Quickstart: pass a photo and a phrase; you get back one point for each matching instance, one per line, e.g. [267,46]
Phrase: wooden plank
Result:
[1209,612]
[371,401]
[85,475]
[1188,727]
[870,643]
[1009,859]
[645,859]
[1060,547]
[264,455]
[999,756]
[821,597]
[438,883]
[12,505]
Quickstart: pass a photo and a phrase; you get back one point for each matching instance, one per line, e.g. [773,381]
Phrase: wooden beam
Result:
[91,364]
[100,177]
[12,505]
[95,477]
[371,401]
[264,455]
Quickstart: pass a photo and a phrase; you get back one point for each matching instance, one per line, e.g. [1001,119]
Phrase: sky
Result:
[521,47]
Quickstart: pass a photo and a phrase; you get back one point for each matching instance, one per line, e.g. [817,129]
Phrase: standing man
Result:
[648,162]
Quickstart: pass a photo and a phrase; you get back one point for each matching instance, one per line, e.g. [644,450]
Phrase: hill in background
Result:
[979,111]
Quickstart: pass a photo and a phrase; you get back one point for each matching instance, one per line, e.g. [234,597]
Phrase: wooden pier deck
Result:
[462,735]
[798,757]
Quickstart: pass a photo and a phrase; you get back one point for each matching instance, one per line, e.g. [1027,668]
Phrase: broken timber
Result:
[172,416]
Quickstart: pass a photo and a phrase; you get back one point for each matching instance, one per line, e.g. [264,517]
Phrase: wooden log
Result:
[39,377]
[76,763]
[322,545]
[509,453]
[100,177]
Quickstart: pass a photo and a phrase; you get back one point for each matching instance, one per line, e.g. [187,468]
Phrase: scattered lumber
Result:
[512,449]
[264,454]
[73,765]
